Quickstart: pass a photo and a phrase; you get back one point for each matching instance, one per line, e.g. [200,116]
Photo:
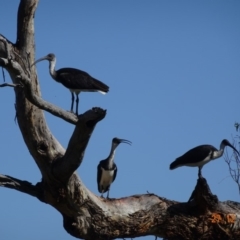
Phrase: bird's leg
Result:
[72,101]
[199,172]
[102,195]
[77,101]
[108,193]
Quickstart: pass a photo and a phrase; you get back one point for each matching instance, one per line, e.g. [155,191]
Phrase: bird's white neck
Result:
[52,71]
[218,154]
[112,153]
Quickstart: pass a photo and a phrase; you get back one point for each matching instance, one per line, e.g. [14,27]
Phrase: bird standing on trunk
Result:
[200,155]
[74,79]
[107,169]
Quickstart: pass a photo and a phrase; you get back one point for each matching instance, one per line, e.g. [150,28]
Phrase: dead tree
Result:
[86,215]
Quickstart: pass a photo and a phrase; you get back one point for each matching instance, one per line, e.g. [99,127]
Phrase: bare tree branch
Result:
[9,85]
[65,167]
[19,185]
[42,145]
[233,163]
[32,97]
[148,214]
[25,29]
[86,215]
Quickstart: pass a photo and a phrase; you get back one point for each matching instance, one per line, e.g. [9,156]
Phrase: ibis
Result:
[107,169]
[200,155]
[74,79]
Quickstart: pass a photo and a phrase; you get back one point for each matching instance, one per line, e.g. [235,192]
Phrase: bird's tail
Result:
[102,87]
[173,165]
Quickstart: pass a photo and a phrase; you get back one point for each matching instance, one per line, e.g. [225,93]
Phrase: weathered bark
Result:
[86,215]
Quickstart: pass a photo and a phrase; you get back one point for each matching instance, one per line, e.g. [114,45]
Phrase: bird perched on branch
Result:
[107,169]
[200,155]
[74,79]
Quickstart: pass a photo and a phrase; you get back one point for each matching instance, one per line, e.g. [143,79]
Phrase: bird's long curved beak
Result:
[231,146]
[125,141]
[39,60]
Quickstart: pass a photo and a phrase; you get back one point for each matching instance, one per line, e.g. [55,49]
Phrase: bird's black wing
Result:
[77,79]
[194,155]
[115,172]
[99,174]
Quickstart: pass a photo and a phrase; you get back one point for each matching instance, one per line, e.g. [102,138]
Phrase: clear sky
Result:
[173,68]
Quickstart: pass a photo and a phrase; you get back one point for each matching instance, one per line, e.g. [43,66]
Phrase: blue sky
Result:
[173,71]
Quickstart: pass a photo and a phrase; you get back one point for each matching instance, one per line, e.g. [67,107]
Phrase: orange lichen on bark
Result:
[216,218]
[223,218]
[231,218]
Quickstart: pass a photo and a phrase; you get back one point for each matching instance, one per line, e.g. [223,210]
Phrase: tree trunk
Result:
[86,215]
